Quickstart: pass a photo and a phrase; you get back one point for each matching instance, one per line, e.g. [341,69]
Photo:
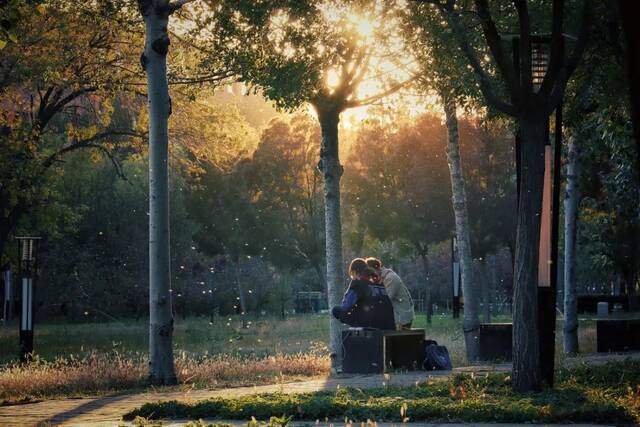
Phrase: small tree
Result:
[316,53]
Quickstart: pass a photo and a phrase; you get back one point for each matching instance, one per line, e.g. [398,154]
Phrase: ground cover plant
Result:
[609,393]
[81,359]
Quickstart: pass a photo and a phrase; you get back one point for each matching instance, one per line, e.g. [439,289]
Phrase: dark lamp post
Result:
[456,277]
[28,273]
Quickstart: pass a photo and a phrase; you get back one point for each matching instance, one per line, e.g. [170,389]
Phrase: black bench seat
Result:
[368,351]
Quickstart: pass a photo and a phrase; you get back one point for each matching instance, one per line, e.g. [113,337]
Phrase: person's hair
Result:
[357,267]
[374,263]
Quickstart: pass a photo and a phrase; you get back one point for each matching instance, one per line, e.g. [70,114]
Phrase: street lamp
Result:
[28,274]
[456,279]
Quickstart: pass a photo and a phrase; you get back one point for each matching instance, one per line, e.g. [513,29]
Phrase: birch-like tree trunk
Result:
[331,170]
[470,324]
[486,290]
[571,202]
[154,59]
[241,297]
[427,290]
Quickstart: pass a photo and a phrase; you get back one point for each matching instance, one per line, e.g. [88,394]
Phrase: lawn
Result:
[105,358]
[604,394]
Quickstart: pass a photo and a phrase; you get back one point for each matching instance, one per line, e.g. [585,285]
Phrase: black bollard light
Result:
[28,273]
[456,277]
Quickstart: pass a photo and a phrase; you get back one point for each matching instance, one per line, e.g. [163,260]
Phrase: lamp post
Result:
[456,277]
[28,274]
[550,215]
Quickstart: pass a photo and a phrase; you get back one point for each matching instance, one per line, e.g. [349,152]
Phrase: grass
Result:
[606,394]
[114,373]
[105,358]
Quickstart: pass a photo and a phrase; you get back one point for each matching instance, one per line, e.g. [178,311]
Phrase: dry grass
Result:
[106,374]
[111,358]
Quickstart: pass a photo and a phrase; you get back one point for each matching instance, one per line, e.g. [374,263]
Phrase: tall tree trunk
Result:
[161,365]
[427,290]
[243,303]
[486,291]
[571,202]
[527,375]
[470,324]
[331,169]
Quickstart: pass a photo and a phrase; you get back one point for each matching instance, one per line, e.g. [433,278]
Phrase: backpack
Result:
[436,357]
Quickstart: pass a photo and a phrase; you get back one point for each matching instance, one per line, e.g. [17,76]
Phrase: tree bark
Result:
[243,303]
[571,202]
[161,364]
[470,324]
[486,291]
[331,169]
[527,375]
[427,290]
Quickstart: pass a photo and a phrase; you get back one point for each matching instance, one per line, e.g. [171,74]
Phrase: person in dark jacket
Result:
[365,304]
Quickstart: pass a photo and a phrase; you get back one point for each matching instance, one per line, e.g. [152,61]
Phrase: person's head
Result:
[369,274]
[357,267]
[374,263]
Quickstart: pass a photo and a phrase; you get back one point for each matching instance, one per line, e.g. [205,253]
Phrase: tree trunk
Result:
[571,202]
[284,286]
[527,375]
[427,290]
[486,291]
[331,169]
[161,365]
[470,324]
[243,304]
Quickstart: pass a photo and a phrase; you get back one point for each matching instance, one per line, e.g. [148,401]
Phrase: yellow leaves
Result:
[95,156]
[75,134]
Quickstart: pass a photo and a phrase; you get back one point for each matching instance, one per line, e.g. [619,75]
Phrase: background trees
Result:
[248,217]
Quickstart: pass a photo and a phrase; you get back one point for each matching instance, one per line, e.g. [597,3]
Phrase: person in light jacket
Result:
[398,293]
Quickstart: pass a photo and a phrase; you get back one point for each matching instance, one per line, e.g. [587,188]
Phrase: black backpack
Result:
[436,357]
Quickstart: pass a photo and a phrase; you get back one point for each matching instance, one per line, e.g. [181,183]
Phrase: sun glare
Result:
[363,25]
[333,79]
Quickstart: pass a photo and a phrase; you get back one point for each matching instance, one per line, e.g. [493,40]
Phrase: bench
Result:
[495,342]
[370,351]
[616,335]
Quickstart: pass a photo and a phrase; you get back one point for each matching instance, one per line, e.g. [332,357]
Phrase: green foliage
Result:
[266,205]
[400,190]
[585,394]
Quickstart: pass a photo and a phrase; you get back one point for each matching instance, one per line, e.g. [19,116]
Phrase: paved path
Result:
[108,410]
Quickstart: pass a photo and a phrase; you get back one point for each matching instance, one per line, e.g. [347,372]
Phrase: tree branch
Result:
[87,142]
[371,99]
[572,62]
[526,73]
[557,51]
[177,4]
[505,64]
[486,86]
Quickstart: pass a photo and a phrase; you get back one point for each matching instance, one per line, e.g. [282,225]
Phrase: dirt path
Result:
[108,410]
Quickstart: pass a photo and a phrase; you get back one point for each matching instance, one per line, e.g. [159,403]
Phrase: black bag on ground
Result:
[436,357]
